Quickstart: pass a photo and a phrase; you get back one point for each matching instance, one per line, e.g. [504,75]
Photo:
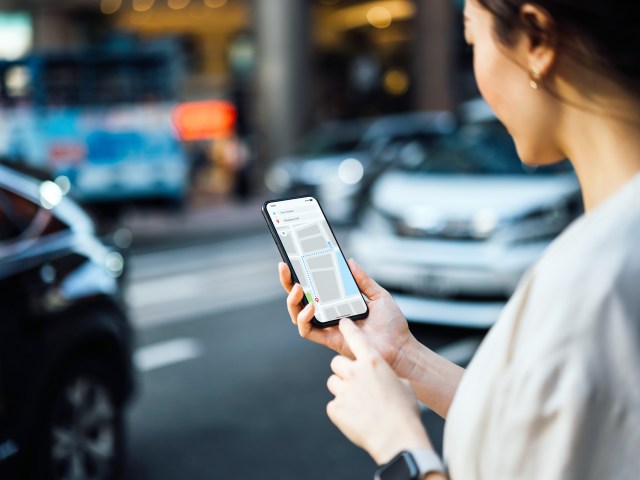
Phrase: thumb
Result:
[367,285]
[356,340]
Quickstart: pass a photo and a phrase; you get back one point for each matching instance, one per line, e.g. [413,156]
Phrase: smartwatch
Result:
[410,465]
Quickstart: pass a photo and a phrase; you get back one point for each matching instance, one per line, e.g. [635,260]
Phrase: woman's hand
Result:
[373,407]
[385,327]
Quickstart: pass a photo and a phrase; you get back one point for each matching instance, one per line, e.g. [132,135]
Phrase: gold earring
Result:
[535,77]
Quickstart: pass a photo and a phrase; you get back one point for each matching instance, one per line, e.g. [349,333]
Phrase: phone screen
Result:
[301,230]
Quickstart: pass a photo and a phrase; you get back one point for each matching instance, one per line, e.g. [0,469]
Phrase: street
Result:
[227,388]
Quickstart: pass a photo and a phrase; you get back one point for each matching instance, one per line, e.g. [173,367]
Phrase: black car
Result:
[65,341]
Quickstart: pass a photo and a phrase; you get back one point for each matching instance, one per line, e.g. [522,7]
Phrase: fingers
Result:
[294,302]
[367,285]
[357,341]
[285,276]
[304,320]
[335,384]
[300,316]
[341,365]
[295,295]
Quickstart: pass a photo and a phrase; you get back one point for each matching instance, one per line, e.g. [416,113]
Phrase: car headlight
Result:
[542,224]
[350,171]
[50,194]
[484,224]
[114,263]
[374,221]
[278,179]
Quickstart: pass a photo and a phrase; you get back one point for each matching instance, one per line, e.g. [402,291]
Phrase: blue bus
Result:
[99,119]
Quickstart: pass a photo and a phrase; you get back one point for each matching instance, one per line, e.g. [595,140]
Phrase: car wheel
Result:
[82,437]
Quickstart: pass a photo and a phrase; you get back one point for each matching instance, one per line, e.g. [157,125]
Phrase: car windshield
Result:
[16,214]
[330,140]
[479,149]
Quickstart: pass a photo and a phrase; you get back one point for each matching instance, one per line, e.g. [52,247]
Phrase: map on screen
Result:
[316,258]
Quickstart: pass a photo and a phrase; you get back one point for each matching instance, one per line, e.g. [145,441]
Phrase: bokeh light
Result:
[396,81]
[215,3]
[50,194]
[379,17]
[178,4]
[142,5]
[109,7]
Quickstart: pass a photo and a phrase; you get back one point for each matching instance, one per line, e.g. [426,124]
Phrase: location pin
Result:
[317,300]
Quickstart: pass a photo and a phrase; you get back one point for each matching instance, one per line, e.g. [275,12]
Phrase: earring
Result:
[535,77]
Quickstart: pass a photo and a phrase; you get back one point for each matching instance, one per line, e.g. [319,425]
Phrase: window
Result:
[16,214]
[21,217]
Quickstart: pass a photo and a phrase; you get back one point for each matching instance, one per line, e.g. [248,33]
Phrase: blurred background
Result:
[143,331]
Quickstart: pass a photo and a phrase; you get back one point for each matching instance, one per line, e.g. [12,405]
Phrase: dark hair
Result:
[601,34]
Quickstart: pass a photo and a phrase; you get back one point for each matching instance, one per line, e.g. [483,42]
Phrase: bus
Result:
[98,119]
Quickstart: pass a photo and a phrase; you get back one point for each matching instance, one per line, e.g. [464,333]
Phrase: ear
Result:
[540,31]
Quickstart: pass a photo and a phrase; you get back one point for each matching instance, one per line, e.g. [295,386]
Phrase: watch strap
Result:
[427,461]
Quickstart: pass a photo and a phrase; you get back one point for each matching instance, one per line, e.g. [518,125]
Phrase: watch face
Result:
[402,467]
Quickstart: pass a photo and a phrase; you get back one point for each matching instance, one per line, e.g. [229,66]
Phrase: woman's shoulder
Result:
[600,252]
[584,291]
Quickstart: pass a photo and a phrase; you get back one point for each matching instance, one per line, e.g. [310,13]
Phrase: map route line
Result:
[306,271]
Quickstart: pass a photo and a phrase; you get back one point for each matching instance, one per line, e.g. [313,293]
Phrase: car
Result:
[451,232]
[66,372]
[302,171]
[354,154]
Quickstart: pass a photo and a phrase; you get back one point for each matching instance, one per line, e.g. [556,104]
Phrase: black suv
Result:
[65,340]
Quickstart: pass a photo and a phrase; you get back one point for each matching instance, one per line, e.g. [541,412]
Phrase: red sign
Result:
[67,153]
[204,120]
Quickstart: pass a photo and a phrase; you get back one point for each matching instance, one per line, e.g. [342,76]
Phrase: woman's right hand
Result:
[385,327]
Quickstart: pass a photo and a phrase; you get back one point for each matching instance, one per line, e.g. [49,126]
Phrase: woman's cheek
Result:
[488,82]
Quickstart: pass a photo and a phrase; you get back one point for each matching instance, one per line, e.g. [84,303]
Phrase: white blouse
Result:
[554,390]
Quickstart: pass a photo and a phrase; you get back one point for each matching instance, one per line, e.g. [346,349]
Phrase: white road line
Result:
[153,264]
[202,284]
[166,353]
[183,311]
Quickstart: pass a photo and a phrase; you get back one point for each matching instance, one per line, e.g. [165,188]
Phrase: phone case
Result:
[285,259]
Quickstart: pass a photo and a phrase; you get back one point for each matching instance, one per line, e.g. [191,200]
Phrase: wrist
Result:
[414,438]
[406,358]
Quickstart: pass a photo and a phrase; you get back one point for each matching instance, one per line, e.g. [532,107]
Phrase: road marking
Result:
[184,311]
[189,283]
[204,283]
[222,254]
[167,353]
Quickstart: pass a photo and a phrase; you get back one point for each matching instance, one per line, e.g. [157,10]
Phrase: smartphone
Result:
[307,244]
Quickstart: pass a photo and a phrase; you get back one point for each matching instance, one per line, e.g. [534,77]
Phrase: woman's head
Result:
[571,50]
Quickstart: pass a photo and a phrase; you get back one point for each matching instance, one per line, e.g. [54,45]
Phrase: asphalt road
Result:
[228,390]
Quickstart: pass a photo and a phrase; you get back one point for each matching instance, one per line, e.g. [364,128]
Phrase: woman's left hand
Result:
[373,407]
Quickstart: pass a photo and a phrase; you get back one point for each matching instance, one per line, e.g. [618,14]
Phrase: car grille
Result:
[460,230]
[436,295]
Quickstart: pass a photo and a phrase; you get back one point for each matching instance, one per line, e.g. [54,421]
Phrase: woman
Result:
[554,390]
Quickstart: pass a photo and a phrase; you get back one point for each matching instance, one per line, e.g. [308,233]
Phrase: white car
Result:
[451,233]
[337,162]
